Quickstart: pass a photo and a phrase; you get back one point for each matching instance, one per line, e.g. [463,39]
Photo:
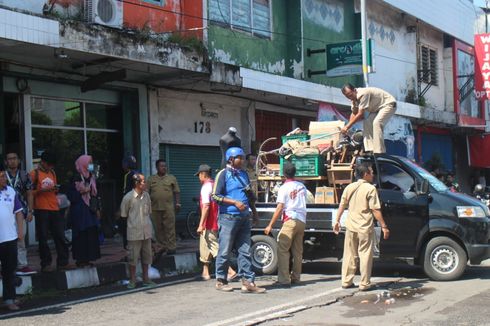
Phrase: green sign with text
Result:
[345,58]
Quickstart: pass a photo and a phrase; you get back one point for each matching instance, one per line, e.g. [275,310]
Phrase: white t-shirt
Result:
[293,195]
[206,191]
[9,206]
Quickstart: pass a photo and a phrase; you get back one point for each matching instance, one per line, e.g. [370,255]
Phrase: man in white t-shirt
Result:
[291,204]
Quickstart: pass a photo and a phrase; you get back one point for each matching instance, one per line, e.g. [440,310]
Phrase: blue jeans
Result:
[234,233]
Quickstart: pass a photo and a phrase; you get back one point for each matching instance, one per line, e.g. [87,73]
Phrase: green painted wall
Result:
[274,55]
[324,21]
[328,21]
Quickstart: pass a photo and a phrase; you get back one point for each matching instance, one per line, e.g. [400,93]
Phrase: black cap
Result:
[203,168]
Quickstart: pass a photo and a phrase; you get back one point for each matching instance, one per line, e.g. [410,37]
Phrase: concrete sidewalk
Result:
[110,268]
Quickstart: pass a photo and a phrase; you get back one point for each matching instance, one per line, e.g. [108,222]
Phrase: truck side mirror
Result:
[423,188]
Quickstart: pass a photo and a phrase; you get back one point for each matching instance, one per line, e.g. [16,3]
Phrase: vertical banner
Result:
[482,66]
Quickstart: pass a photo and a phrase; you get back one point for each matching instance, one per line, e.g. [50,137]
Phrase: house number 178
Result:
[201,127]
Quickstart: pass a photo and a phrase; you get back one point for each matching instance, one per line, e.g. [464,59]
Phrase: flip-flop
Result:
[206,278]
[131,285]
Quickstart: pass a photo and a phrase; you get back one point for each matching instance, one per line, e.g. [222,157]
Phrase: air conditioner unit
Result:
[104,12]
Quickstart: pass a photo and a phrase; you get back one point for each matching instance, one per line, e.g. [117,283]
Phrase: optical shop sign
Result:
[482,66]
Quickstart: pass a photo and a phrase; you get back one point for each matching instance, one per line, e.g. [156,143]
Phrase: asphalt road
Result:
[318,301]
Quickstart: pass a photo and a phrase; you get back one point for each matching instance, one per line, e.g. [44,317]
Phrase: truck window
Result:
[393,177]
[433,181]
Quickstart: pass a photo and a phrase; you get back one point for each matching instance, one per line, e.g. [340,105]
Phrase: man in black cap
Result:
[230,139]
[208,224]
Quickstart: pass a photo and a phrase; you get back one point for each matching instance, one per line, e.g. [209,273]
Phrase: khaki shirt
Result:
[161,189]
[253,179]
[137,210]
[360,198]
[371,99]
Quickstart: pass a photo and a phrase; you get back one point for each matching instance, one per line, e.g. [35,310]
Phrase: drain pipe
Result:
[364,43]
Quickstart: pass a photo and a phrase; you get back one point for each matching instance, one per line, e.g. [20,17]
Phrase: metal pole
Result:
[364,43]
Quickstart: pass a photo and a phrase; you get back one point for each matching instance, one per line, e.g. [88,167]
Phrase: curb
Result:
[102,274]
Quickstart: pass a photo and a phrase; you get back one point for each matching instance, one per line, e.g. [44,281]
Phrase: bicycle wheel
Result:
[192,222]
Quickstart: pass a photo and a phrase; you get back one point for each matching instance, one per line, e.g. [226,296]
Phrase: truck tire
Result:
[444,259]
[264,254]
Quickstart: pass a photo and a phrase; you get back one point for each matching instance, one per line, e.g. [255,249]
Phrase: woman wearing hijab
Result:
[84,213]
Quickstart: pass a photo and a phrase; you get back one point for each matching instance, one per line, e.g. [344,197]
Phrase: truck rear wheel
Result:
[264,254]
[444,259]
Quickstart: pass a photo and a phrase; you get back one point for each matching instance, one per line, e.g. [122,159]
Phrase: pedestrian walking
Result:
[165,203]
[208,223]
[135,207]
[21,182]
[84,213]
[47,213]
[233,193]
[291,205]
[375,106]
[362,201]
[11,231]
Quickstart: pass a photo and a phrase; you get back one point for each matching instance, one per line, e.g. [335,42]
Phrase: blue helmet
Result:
[234,152]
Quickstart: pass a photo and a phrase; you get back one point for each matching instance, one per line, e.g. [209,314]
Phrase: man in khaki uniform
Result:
[362,201]
[251,161]
[376,107]
[165,203]
[135,206]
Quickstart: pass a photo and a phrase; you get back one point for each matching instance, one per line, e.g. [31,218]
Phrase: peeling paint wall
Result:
[115,43]
[327,21]
[395,39]
[280,54]
[165,17]
[60,8]
[197,118]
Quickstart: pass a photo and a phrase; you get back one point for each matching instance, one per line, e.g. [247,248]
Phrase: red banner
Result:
[482,66]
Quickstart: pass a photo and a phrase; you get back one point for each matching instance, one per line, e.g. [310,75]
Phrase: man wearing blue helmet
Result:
[233,193]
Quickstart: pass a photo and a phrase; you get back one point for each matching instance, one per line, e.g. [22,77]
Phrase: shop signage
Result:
[345,58]
[482,66]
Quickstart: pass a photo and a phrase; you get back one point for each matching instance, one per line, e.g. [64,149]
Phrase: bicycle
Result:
[192,220]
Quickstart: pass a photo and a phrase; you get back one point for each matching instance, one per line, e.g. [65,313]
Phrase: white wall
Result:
[395,50]
[435,96]
[454,17]
[396,53]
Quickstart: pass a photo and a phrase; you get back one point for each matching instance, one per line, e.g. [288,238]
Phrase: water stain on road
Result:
[377,303]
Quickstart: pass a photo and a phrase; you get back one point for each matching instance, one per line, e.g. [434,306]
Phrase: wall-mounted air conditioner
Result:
[104,12]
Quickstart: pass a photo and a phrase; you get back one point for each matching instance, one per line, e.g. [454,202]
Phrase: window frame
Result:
[432,77]
[248,30]
[381,161]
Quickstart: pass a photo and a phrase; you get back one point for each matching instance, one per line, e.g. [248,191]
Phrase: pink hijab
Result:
[81,165]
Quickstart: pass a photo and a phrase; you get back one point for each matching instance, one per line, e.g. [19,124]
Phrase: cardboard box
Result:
[329,131]
[324,195]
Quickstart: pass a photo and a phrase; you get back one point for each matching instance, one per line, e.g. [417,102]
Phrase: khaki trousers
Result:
[290,241]
[358,245]
[208,246]
[373,129]
[164,226]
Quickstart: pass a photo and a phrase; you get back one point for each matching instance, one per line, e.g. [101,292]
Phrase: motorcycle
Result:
[482,195]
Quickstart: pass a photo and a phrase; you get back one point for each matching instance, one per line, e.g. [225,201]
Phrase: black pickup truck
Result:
[430,225]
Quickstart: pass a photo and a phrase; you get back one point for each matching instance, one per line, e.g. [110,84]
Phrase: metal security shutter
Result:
[183,162]
[441,145]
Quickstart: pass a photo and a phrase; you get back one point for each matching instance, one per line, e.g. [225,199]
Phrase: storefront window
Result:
[48,112]
[466,69]
[70,129]
[102,116]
